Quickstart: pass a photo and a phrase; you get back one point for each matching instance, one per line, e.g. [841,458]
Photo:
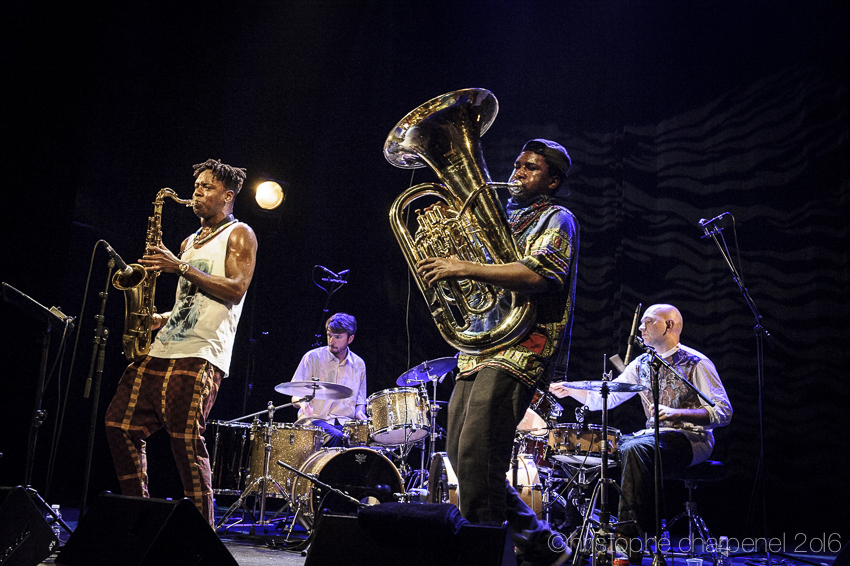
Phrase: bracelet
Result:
[184,267]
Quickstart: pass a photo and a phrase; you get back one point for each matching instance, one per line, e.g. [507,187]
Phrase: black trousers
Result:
[637,458]
[483,416]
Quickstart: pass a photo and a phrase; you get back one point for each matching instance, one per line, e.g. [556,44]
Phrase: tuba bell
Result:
[445,135]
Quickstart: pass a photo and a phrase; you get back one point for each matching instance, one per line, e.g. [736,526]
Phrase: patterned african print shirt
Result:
[547,236]
[700,371]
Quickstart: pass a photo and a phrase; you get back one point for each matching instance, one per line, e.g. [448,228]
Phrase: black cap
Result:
[555,154]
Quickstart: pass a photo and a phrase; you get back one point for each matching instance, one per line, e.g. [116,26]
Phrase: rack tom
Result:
[399,416]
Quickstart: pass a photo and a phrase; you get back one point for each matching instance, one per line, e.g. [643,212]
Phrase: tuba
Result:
[140,287]
[445,134]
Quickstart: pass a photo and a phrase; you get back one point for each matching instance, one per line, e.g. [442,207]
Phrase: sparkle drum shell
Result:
[291,443]
[398,415]
[357,433]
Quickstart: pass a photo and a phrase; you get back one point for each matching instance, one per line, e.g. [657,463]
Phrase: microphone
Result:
[703,221]
[326,270]
[125,269]
[632,335]
[580,414]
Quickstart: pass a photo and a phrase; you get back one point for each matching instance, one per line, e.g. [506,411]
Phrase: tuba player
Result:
[493,391]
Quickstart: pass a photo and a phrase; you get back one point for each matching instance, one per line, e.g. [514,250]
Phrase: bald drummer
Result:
[686,421]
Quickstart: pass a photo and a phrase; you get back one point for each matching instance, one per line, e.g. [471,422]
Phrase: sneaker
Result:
[631,548]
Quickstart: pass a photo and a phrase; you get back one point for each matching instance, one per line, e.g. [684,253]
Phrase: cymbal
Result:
[319,389]
[615,386]
[427,371]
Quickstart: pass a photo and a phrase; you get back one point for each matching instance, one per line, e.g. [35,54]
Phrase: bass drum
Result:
[443,487]
[363,473]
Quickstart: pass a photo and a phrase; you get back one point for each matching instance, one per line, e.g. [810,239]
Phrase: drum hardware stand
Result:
[600,555]
[656,362]
[433,407]
[314,478]
[263,481]
[431,444]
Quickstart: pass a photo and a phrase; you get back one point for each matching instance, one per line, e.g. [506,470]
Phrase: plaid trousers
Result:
[175,394]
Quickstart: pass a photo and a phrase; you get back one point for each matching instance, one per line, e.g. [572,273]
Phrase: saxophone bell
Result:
[139,287]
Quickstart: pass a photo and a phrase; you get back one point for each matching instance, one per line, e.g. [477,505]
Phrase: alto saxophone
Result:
[140,287]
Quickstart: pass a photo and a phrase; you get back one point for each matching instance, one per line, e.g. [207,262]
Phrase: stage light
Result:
[269,195]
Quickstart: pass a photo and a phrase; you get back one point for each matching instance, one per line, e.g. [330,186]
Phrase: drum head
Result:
[364,474]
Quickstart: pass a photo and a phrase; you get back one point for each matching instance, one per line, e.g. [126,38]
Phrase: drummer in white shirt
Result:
[334,363]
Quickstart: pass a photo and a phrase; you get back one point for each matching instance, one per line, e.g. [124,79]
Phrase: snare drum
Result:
[542,410]
[231,444]
[399,415]
[575,444]
[290,443]
[357,433]
[364,474]
[443,486]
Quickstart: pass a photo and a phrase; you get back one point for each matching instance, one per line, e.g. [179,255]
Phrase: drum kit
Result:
[555,466]
[287,461]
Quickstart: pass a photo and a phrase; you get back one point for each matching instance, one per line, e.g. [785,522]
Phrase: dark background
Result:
[671,111]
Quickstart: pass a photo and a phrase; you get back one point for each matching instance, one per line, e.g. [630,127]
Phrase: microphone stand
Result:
[51,317]
[98,356]
[656,361]
[761,333]
[336,279]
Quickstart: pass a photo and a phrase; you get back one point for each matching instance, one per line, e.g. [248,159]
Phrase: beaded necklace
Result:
[227,221]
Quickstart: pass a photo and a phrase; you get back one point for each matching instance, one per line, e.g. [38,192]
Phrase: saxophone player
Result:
[175,385]
[493,391]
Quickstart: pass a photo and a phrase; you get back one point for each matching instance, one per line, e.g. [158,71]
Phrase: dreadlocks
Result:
[231,177]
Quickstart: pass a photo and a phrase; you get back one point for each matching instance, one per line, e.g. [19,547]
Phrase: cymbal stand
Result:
[261,483]
[601,553]
[433,409]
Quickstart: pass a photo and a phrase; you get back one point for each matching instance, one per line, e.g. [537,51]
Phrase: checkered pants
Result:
[160,393]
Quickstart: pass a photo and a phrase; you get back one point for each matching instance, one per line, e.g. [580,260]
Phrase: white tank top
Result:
[200,325]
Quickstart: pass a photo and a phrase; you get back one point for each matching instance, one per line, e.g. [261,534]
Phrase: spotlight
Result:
[270,195]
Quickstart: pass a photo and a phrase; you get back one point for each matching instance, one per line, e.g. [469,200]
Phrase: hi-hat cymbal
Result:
[615,386]
[318,389]
[427,371]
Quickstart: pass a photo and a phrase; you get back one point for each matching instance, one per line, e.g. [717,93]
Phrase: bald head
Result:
[661,326]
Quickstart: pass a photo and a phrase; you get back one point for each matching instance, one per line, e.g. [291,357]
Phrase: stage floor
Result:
[262,545]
